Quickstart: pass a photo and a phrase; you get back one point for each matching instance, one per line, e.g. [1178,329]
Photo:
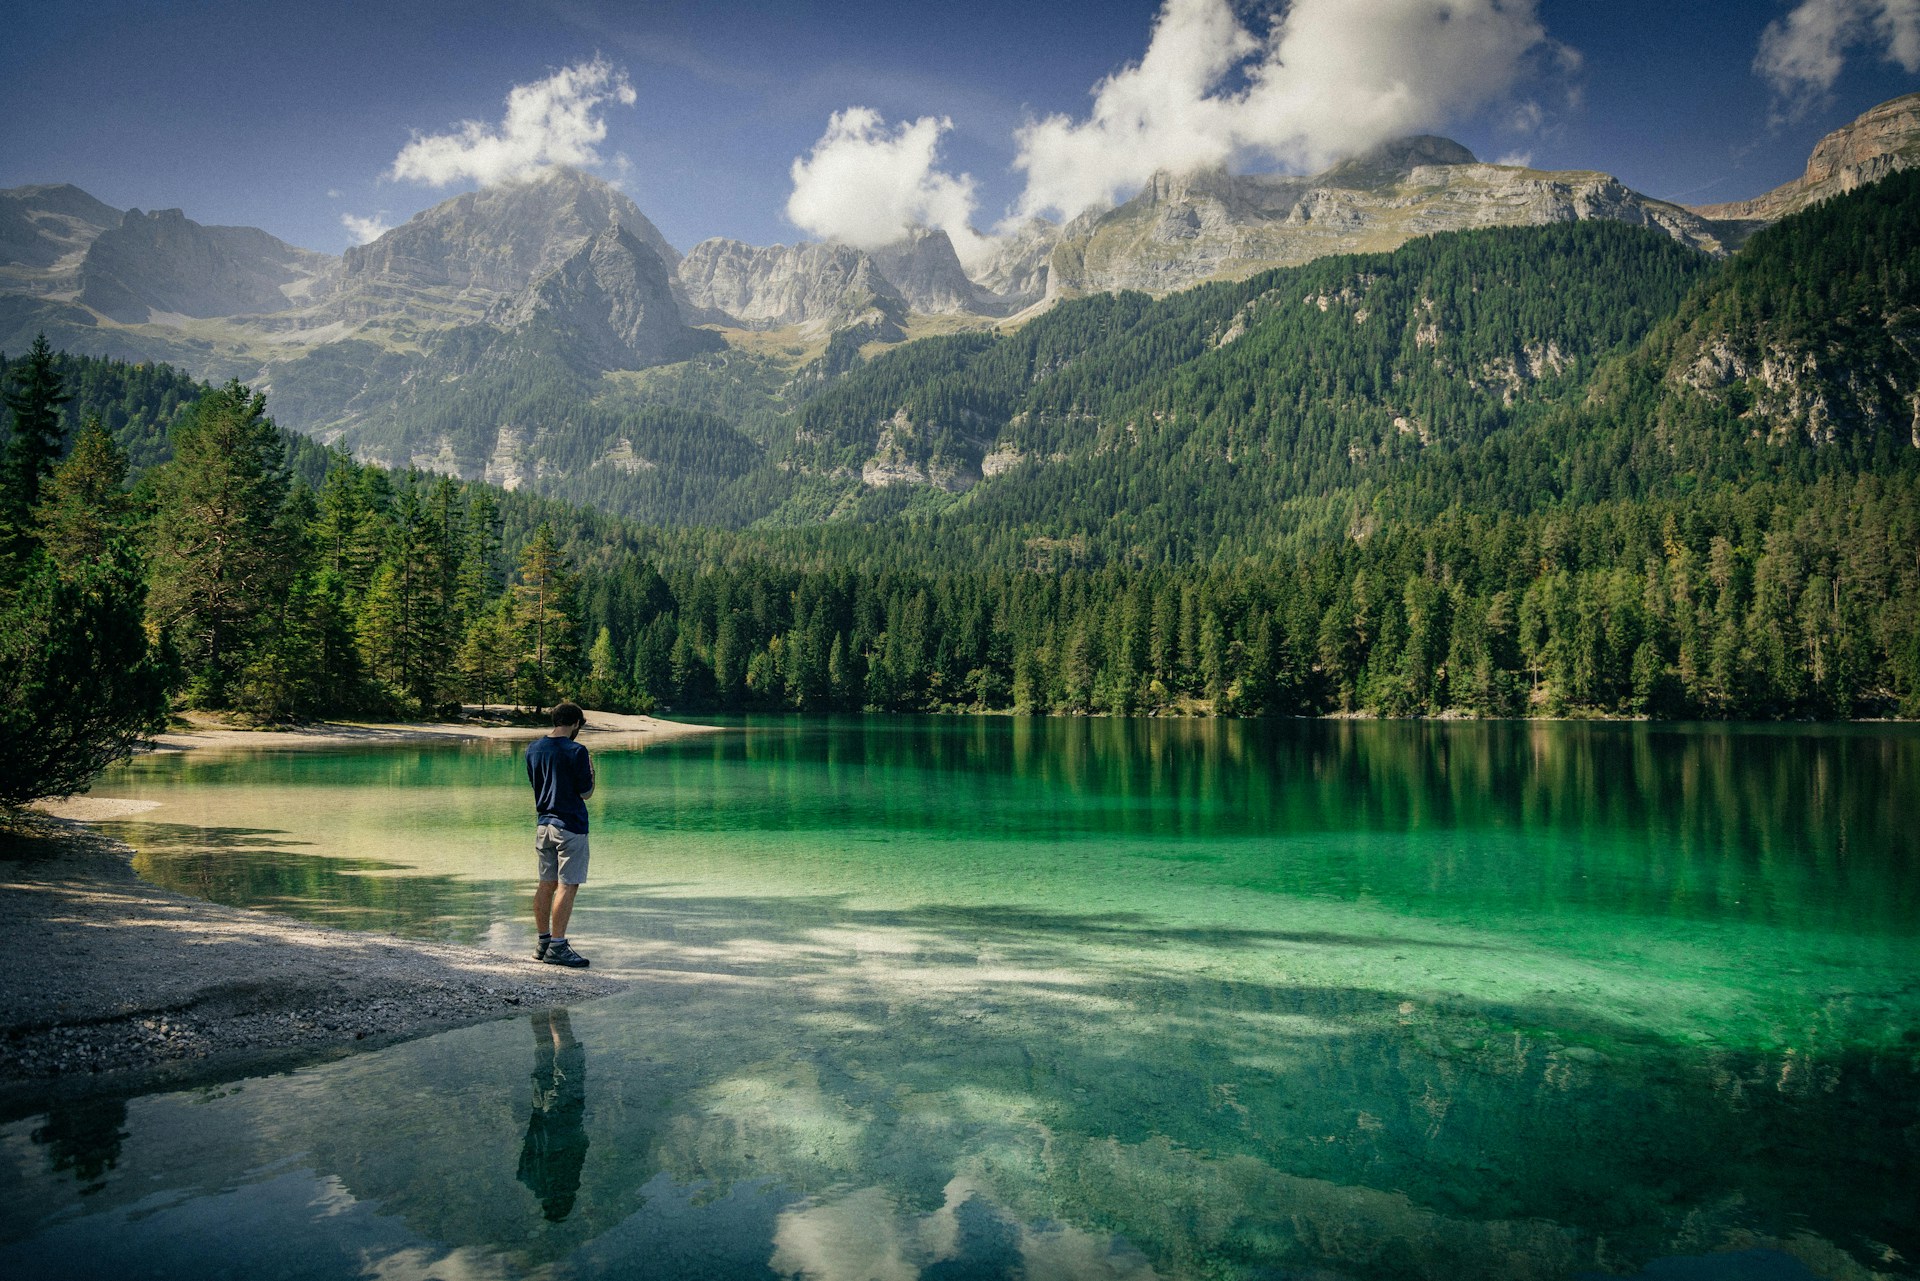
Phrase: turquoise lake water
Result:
[946,997]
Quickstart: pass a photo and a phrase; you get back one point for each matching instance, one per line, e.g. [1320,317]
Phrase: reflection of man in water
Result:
[556,1145]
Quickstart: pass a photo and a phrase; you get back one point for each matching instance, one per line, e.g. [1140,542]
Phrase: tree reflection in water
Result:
[84,1136]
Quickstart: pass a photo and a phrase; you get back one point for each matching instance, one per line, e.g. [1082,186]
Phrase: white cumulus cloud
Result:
[865,184]
[1329,78]
[556,121]
[1802,55]
[366,230]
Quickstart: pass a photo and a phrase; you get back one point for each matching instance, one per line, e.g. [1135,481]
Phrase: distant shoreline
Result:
[603,728]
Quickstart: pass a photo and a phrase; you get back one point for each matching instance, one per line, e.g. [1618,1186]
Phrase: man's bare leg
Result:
[562,907]
[543,904]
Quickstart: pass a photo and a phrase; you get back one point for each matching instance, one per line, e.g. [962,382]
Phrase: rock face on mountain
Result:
[821,286]
[1181,230]
[1015,274]
[44,234]
[928,274]
[1880,142]
[165,262]
[464,254]
[609,306]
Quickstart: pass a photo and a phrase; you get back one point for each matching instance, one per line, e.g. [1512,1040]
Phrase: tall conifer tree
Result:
[220,553]
[34,398]
[85,505]
[549,625]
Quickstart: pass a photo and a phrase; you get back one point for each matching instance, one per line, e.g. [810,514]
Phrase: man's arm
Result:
[586,788]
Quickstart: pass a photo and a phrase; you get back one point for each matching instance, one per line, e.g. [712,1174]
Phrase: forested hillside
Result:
[284,580]
[1221,420]
[1565,470]
[1292,381]
[1494,502]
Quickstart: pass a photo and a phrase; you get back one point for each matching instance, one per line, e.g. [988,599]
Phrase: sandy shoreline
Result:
[603,729]
[118,984]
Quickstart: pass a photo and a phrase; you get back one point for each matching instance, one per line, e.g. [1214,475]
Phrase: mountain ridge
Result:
[1875,143]
[498,284]
[454,262]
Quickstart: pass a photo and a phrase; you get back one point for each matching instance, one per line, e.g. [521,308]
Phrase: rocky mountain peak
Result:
[1873,145]
[1015,273]
[925,269]
[1212,182]
[44,231]
[823,285]
[479,246]
[1863,151]
[610,305]
[1390,162]
[1183,229]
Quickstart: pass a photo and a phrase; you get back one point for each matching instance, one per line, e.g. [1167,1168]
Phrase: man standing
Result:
[562,776]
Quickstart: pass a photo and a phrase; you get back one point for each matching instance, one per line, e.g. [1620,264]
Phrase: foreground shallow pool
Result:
[1065,998]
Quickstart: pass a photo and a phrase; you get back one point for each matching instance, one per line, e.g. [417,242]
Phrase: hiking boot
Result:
[560,952]
[540,950]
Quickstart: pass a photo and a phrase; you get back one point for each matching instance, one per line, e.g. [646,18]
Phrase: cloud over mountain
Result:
[866,185]
[556,121]
[1330,78]
[1802,55]
[366,230]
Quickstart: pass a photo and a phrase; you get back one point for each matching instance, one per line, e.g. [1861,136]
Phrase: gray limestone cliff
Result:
[1014,275]
[463,255]
[926,271]
[1875,144]
[1181,230]
[609,306]
[822,286]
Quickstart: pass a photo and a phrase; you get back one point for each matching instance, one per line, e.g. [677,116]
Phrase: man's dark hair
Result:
[568,714]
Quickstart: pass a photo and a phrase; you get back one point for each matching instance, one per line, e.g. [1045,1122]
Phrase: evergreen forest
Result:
[1570,470]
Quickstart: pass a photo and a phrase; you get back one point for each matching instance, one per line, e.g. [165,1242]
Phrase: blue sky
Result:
[289,116]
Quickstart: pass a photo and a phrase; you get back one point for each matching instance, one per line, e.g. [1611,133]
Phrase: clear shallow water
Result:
[1067,998]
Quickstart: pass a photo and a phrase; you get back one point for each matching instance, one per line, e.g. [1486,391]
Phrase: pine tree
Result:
[84,685]
[220,554]
[35,399]
[411,616]
[486,658]
[547,622]
[351,529]
[85,506]
[604,687]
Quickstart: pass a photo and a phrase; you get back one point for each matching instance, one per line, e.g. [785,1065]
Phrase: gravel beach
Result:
[119,984]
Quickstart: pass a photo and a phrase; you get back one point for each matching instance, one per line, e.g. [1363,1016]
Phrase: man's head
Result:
[568,718]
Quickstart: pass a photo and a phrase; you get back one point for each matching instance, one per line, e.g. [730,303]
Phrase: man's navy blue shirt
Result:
[559,771]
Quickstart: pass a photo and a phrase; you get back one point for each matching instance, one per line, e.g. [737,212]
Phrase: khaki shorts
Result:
[563,854]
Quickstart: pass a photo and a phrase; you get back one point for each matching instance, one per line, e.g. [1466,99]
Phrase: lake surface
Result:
[955,998]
